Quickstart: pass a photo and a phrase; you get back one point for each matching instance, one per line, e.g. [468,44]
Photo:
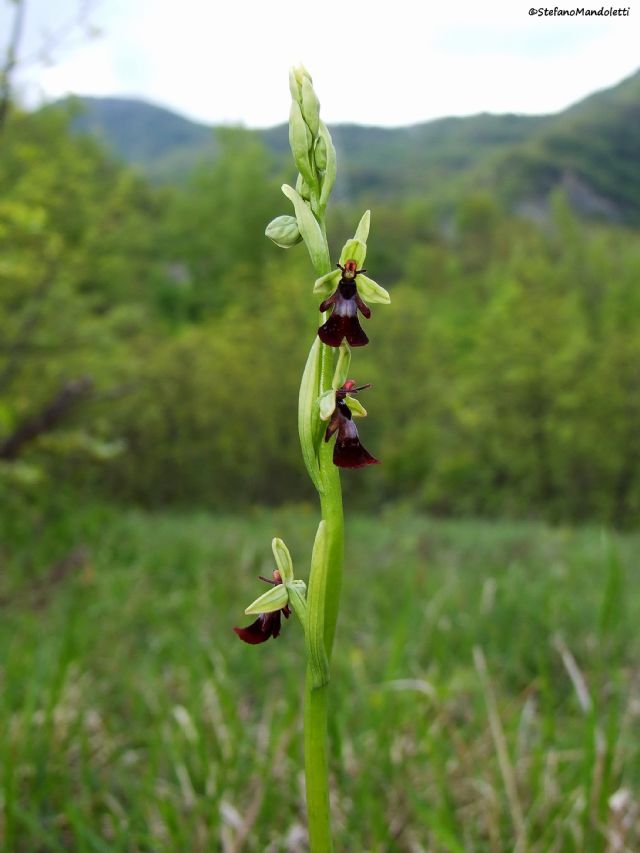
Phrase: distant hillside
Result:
[591,150]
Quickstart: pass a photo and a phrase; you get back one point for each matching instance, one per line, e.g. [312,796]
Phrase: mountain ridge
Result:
[591,150]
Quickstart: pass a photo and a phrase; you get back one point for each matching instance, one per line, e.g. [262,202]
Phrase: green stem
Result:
[328,577]
[316,699]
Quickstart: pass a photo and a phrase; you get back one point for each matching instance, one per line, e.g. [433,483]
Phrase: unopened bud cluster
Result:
[315,159]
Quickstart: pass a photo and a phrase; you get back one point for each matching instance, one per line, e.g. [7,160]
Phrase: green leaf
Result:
[354,250]
[371,291]
[273,599]
[308,414]
[310,230]
[314,636]
[283,560]
[326,284]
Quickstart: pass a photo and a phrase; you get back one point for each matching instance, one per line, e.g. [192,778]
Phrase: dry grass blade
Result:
[502,752]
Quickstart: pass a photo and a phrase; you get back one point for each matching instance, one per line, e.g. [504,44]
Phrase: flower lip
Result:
[345,303]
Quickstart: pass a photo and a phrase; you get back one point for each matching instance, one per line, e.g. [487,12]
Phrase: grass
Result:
[486,687]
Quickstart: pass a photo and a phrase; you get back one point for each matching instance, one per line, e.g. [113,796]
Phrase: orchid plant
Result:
[329,438]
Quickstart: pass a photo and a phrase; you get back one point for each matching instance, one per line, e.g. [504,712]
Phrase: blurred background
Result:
[151,346]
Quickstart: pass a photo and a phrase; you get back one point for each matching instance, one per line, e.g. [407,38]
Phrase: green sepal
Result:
[331,167]
[326,284]
[354,250]
[310,106]
[357,409]
[308,414]
[371,291]
[342,366]
[284,231]
[283,560]
[273,599]
[327,404]
[298,601]
[310,230]
[314,635]
[362,231]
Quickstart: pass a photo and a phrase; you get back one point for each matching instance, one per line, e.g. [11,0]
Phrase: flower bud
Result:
[300,137]
[330,167]
[310,230]
[300,72]
[301,141]
[320,154]
[303,188]
[284,231]
[310,106]
[294,86]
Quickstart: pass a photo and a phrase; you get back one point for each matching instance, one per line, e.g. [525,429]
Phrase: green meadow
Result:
[487,691]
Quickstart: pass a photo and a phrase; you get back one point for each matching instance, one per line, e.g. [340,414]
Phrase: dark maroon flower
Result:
[267,624]
[347,451]
[346,301]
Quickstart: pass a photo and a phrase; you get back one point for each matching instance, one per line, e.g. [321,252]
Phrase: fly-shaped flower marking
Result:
[267,624]
[346,301]
[348,452]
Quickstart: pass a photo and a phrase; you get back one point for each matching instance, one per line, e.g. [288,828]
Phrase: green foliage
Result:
[131,718]
[518,343]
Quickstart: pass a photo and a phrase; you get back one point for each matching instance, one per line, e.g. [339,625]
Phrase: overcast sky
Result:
[385,63]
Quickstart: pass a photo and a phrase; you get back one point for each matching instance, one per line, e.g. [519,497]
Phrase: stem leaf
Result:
[308,413]
[314,636]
